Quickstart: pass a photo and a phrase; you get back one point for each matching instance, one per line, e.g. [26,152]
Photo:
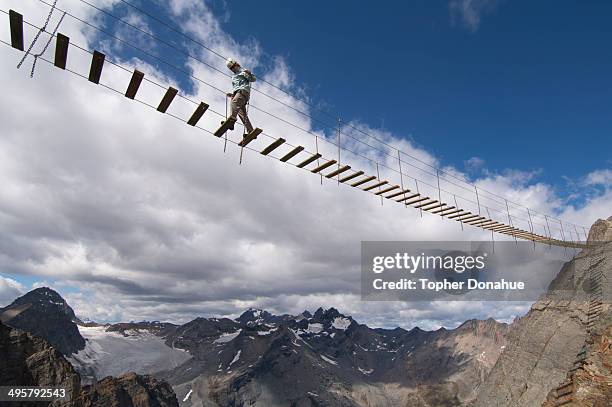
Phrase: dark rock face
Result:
[43,312]
[589,386]
[543,346]
[128,390]
[253,317]
[30,361]
[161,329]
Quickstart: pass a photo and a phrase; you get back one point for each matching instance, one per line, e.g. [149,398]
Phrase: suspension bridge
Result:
[437,201]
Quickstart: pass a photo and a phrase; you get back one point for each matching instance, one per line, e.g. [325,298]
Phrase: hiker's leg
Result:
[241,102]
[235,104]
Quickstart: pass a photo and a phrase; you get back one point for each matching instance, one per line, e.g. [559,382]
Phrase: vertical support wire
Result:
[510,221]
[379,188]
[457,206]
[317,150]
[417,189]
[478,199]
[492,234]
[577,234]
[339,148]
[549,232]
[439,190]
[563,236]
[531,229]
[244,132]
[399,160]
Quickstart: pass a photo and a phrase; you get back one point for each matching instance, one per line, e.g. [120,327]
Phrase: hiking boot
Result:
[231,122]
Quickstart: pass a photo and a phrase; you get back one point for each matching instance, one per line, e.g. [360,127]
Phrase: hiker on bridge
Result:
[241,83]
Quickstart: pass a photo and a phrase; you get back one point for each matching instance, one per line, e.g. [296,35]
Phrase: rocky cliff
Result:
[550,345]
[127,390]
[28,360]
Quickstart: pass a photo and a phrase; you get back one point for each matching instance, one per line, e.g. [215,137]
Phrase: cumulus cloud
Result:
[469,12]
[9,290]
[150,219]
[474,164]
[599,178]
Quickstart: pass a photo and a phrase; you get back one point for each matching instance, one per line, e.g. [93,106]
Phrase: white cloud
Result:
[9,290]
[600,177]
[474,163]
[470,12]
[151,220]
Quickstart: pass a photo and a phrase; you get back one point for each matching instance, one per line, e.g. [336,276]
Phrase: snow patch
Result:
[224,338]
[341,323]
[328,360]
[315,328]
[236,358]
[188,395]
[264,333]
[365,371]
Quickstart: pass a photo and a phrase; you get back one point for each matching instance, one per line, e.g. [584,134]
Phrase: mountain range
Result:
[560,352]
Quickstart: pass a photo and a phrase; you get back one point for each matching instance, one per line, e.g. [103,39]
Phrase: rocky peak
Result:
[601,231]
[43,312]
[488,327]
[45,299]
[253,316]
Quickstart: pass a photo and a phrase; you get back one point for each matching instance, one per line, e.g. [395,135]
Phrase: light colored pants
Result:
[239,102]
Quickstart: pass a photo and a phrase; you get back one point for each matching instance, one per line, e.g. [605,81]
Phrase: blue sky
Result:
[527,77]
[519,87]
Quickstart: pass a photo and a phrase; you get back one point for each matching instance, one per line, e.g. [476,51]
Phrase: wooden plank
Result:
[494,226]
[250,137]
[277,143]
[456,211]
[378,184]
[97,63]
[475,220]
[502,228]
[482,224]
[350,177]
[167,99]
[309,160]
[197,115]
[16,21]
[338,171]
[407,198]
[440,205]
[405,191]
[459,215]
[426,203]
[466,218]
[449,209]
[135,82]
[363,181]
[485,224]
[323,166]
[417,200]
[61,50]
[292,154]
[384,191]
